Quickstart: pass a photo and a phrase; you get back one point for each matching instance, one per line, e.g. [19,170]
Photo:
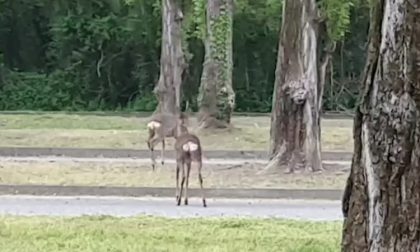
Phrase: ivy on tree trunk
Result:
[216,97]
[172,60]
[295,118]
[381,202]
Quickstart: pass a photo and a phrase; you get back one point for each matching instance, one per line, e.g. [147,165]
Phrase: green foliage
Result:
[106,49]
[348,62]
[199,17]
[255,31]
[221,28]
[143,103]
[33,91]
[104,54]
[337,13]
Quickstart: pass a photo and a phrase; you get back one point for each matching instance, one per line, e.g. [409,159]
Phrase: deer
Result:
[188,150]
[161,126]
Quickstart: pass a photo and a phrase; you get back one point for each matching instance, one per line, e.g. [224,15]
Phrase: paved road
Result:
[119,206]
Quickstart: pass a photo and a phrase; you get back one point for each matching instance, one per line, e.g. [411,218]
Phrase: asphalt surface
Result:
[165,207]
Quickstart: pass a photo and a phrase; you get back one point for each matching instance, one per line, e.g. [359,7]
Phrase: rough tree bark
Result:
[216,98]
[295,118]
[172,60]
[381,202]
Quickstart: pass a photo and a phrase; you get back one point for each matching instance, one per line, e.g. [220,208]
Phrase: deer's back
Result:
[167,123]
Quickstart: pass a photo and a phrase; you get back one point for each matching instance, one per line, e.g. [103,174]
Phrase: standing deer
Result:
[161,126]
[188,150]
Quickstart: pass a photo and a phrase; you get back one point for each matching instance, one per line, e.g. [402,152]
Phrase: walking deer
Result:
[188,150]
[161,126]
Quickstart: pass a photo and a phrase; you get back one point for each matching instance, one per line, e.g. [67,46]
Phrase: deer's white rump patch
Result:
[153,125]
[190,146]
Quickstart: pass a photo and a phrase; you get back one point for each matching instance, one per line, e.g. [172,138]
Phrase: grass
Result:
[95,131]
[97,234]
[118,173]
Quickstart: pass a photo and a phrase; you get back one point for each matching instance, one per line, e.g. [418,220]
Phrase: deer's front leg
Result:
[182,184]
[152,143]
[163,151]
[177,181]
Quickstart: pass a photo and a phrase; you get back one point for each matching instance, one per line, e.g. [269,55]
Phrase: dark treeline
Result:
[104,55]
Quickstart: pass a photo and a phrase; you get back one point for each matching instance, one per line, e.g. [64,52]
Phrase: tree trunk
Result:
[172,60]
[295,118]
[216,97]
[381,203]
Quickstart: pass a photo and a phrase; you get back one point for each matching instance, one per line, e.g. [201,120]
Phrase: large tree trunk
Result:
[295,118]
[381,203]
[216,97]
[172,60]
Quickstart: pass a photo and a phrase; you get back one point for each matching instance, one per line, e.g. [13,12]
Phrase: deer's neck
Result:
[181,130]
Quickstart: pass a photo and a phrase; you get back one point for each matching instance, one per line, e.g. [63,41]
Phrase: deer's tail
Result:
[152,127]
[190,146]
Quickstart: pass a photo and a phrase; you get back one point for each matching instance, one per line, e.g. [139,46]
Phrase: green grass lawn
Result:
[94,131]
[97,234]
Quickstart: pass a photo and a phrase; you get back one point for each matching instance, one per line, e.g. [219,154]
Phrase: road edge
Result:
[233,193]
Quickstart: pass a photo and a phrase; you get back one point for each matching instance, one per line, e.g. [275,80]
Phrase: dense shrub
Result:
[104,55]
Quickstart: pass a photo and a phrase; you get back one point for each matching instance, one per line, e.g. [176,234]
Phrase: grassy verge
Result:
[88,131]
[132,174]
[98,234]
[95,122]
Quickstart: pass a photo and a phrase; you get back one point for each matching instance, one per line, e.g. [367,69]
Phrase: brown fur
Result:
[188,151]
[161,126]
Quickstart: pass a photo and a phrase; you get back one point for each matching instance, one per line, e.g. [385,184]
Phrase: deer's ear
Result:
[182,118]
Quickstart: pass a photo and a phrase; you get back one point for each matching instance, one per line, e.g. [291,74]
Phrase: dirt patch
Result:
[132,153]
[103,121]
[129,174]
[333,139]
[87,131]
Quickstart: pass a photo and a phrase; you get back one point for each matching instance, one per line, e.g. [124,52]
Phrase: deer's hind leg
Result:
[186,182]
[177,196]
[182,183]
[149,139]
[200,180]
